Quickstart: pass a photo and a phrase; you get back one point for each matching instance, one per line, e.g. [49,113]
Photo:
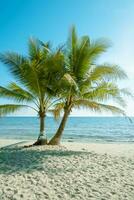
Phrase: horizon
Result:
[51,20]
[68,117]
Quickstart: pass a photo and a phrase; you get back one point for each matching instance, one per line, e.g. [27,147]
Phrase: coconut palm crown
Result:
[88,84]
[34,75]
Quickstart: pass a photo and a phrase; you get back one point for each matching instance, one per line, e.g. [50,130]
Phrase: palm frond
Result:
[59,107]
[107,91]
[82,62]
[20,68]
[73,38]
[72,47]
[126,92]
[26,72]
[112,109]
[10,108]
[97,48]
[20,91]
[83,103]
[20,95]
[98,107]
[34,49]
[106,71]
[16,63]
[82,53]
[67,78]
[46,46]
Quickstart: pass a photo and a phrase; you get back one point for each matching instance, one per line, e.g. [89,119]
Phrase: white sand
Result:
[5,142]
[71,172]
[114,149]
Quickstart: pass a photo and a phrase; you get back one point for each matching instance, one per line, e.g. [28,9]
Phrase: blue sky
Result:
[51,20]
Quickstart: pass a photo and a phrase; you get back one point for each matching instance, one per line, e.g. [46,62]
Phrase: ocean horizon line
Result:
[69,116]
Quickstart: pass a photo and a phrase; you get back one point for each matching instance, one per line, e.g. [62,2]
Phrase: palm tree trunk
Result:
[42,140]
[57,137]
[42,127]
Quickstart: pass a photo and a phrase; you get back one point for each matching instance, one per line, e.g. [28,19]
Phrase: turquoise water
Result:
[81,129]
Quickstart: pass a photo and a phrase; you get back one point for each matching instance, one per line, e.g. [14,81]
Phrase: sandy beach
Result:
[73,171]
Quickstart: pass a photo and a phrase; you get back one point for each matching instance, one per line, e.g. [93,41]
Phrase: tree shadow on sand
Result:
[16,160]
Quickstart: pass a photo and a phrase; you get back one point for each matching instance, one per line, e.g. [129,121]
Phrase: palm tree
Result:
[87,84]
[34,74]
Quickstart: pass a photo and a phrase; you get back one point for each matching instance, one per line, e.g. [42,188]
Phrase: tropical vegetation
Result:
[60,80]
[91,84]
[34,76]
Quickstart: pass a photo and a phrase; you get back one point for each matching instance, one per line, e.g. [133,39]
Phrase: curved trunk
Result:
[42,140]
[57,137]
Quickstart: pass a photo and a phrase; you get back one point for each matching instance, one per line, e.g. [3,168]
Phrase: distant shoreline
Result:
[69,116]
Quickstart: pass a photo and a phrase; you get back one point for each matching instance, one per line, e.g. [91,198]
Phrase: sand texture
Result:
[41,173]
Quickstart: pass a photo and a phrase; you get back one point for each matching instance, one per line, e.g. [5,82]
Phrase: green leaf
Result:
[10,108]
[98,107]
[15,92]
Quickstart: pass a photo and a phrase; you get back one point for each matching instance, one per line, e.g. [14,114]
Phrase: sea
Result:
[78,129]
